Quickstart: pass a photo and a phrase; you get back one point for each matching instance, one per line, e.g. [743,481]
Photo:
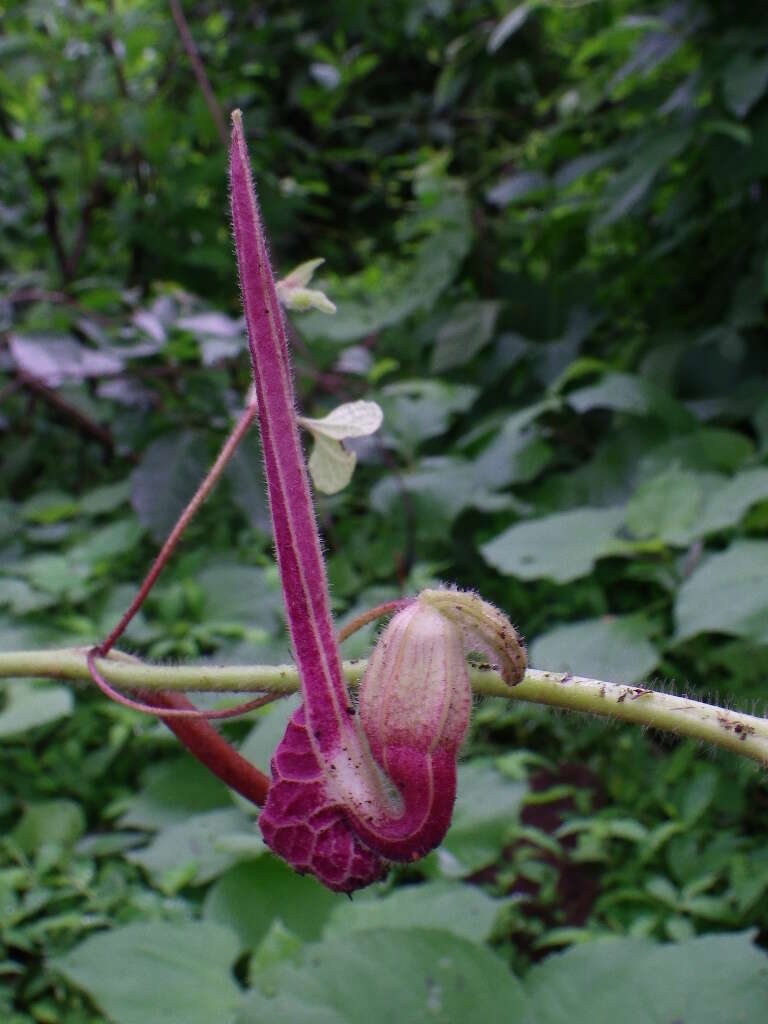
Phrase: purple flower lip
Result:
[349,792]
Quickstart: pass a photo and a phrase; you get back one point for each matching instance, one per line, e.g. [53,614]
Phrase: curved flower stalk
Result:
[349,793]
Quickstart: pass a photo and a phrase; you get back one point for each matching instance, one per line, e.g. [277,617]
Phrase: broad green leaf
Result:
[102,545]
[614,648]
[728,505]
[560,547]
[624,393]
[669,506]
[55,574]
[158,972]
[709,980]
[517,453]
[190,851]
[50,507]
[745,81]
[28,705]
[466,333]
[252,895]
[728,593]
[390,975]
[704,449]
[105,499]
[487,809]
[417,410]
[21,598]
[59,822]
[174,790]
[244,594]
[385,293]
[170,471]
[441,488]
[462,910]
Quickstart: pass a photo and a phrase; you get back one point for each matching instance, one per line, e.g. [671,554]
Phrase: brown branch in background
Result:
[71,412]
[95,199]
[199,70]
[67,261]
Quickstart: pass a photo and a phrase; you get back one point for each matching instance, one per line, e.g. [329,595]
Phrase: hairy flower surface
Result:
[349,792]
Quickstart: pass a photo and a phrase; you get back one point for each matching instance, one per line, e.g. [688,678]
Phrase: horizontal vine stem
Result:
[732,730]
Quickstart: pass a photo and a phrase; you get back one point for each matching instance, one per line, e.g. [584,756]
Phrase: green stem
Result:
[731,730]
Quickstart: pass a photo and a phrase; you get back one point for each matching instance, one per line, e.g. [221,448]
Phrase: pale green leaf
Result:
[728,593]
[352,419]
[462,910]
[252,895]
[330,465]
[614,648]
[562,547]
[158,972]
[715,979]
[410,976]
[28,705]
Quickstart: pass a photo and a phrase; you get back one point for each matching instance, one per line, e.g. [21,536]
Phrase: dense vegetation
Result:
[546,232]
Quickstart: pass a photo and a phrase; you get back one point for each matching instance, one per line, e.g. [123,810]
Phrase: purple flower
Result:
[349,793]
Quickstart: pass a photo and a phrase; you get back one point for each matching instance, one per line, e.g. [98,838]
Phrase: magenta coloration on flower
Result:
[349,792]
[324,720]
[306,824]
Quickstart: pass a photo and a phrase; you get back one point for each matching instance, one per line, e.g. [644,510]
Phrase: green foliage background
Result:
[545,228]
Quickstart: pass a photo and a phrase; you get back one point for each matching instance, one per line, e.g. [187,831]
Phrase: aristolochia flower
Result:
[349,793]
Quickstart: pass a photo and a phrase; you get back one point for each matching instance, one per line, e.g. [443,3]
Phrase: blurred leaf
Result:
[708,980]
[625,393]
[174,790]
[486,812]
[157,972]
[170,471]
[508,25]
[728,593]
[251,896]
[384,295]
[417,410]
[613,648]
[28,706]
[188,852]
[245,474]
[242,594]
[516,186]
[55,360]
[466,333]
[669,506]
[442,488]
[54,821]
[745,81]
[409,976]
[561,547]
[462,910]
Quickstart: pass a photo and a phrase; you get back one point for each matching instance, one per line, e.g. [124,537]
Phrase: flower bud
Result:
[416,691]
[484,629]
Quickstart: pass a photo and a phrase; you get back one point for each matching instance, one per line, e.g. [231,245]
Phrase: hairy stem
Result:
[732,730]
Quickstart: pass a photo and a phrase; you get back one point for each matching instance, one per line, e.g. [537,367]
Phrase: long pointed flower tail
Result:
[316,734]
[349,793]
